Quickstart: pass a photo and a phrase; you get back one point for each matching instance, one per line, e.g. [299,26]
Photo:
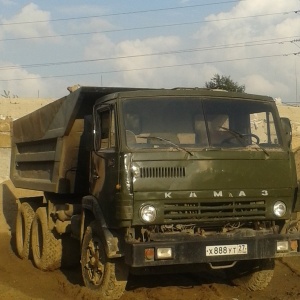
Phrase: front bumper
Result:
[198,250]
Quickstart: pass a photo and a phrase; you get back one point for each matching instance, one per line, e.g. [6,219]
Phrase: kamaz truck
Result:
[156,180]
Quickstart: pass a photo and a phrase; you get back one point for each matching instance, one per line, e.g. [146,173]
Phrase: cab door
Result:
[104,159]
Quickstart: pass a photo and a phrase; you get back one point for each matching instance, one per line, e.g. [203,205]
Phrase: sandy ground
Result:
[19,279]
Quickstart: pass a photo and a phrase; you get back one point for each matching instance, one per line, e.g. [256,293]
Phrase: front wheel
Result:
[107,276]
[253,275]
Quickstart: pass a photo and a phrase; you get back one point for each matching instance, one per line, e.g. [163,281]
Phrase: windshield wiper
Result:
[240,136]
[236,134]
[167,141]
[259,147]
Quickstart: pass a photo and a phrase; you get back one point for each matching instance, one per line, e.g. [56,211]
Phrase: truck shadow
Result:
[73,275]
[9,205]
[182,280]
[9,196]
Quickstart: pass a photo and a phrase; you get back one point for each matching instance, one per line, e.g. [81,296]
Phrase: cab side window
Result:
[105,124]
[263,125]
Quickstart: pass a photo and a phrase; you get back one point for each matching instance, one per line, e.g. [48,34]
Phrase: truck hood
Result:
[211,170]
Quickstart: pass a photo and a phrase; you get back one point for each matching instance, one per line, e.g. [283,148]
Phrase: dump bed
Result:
[47,150]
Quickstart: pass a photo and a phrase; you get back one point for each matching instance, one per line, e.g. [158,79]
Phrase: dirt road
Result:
[19,279]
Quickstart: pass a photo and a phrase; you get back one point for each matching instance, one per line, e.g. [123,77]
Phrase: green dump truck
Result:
[156,180]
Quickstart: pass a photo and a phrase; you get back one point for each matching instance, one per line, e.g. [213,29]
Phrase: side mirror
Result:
[287,129]
[88,133]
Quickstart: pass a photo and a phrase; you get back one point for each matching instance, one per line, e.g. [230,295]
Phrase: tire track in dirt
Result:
[20,280]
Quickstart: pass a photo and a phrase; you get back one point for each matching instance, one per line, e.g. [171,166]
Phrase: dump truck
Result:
[148,181]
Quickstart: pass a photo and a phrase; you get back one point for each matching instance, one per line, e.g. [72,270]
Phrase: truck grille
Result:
[225,210]
[162,172]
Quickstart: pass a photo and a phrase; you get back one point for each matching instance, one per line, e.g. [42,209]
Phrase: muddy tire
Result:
[107,276]
[24,220]
[46,248]
[254,275]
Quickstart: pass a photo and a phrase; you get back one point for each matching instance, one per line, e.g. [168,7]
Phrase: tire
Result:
[253,275]
[24,220]
[46,248]
[107,276]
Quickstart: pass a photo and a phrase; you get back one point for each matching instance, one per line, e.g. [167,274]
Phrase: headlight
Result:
[148,213]
[279,209]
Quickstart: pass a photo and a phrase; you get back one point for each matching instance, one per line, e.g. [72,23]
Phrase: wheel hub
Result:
[94,266]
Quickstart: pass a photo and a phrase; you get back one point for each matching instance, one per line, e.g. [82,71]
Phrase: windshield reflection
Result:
[188,123]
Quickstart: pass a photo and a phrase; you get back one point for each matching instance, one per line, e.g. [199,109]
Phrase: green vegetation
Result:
[224,83]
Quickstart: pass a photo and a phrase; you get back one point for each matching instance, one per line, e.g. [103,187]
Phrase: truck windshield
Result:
[186,123]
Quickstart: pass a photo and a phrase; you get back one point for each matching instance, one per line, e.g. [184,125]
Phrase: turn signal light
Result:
[149,254]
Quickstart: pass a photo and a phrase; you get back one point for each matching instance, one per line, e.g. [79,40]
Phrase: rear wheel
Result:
[253,275]
[107,276]
[24,220]
[46,248]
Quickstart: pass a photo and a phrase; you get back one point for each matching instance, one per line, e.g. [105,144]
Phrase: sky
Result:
[46,46]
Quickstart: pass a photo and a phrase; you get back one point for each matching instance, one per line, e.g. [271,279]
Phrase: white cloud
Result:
[258,84]
[31,14]
[267,75]
[100,47]
[22,88]
[139,55]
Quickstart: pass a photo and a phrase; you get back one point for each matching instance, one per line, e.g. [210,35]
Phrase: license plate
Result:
[226,250]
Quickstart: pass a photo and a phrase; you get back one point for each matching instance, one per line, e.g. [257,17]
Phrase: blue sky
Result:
[46,46]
